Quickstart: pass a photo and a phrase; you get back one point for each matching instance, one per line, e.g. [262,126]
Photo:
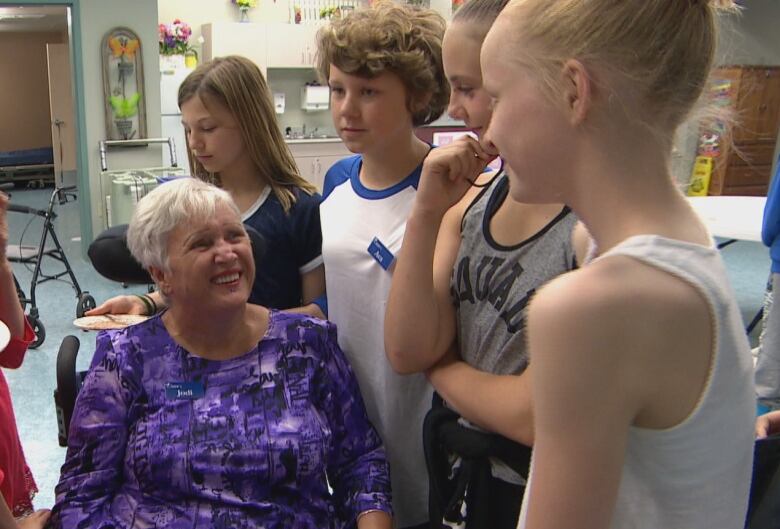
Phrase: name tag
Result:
[381,254]
[184,390]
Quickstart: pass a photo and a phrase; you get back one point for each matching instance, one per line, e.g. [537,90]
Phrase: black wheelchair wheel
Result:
[39,330]
[86,302]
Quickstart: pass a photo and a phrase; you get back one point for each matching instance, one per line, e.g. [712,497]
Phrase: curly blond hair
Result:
[401,39]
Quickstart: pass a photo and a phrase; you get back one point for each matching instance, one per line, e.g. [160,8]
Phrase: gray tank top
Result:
[492,284]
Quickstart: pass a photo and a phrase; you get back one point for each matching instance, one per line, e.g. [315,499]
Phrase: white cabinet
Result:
[291,45]
[269,45]
[315,157]
[234,38]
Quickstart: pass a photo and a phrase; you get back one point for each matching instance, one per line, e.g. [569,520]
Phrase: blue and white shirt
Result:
[358,286]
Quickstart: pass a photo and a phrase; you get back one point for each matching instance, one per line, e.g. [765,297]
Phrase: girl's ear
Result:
[577,91]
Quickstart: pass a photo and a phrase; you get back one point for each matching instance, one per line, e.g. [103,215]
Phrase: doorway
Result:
[38,129]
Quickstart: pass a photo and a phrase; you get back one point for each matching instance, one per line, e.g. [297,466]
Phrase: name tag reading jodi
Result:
[184,390]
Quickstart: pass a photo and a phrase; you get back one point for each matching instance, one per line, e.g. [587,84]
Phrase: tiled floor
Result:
[33,384]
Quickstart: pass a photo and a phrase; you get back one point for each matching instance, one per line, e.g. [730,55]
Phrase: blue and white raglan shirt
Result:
[358,286]
[292,246]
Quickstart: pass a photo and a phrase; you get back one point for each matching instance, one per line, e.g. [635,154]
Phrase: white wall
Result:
[198,12]
[753,37]
[98,17]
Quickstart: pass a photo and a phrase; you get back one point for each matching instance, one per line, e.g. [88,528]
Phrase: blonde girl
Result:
[642,377]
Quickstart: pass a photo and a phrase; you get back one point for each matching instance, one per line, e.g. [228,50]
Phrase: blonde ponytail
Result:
[662,50]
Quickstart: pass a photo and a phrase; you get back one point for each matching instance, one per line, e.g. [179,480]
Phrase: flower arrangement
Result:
[174,38]
[243,7]
[245,4]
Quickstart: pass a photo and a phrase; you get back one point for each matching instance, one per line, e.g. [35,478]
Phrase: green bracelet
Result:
[148,303]
[150,299]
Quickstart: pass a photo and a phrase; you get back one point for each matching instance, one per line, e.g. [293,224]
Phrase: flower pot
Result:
[125,69]
[191,60]
[170,63]
[125,128]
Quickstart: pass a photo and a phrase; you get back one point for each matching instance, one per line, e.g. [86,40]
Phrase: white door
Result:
[63,122]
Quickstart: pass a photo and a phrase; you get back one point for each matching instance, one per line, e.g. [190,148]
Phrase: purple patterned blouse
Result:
[163,438]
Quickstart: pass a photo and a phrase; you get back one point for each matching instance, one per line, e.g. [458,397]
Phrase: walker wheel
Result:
[20,294]
[86,302]
[39,330]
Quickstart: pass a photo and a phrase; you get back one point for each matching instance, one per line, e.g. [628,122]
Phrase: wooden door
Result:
[63,122]
[759,105]
[769,107]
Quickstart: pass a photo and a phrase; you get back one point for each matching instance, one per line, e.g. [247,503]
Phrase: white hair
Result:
[167,207]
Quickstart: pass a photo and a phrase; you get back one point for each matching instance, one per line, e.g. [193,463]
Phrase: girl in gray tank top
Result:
[492,283]
[457,302]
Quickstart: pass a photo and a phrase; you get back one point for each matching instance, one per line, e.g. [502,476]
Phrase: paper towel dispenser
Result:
[315,98]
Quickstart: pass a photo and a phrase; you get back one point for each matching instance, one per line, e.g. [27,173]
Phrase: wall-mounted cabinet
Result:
[233,38]
[291,45]
[269,45]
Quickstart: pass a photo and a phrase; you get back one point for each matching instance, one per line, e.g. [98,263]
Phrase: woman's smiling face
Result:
[210,262]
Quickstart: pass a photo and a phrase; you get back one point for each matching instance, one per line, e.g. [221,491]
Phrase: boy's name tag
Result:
[381,254]
[184,390]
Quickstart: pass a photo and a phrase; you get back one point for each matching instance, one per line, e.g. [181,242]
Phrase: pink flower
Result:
[174,37]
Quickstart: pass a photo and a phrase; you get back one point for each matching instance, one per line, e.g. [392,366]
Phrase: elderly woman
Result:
[217,413]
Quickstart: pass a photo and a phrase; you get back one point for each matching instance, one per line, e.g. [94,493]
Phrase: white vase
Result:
[170,63]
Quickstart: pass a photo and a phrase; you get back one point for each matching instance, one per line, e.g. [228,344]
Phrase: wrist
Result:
[439,371]
[427,217]
[150,306]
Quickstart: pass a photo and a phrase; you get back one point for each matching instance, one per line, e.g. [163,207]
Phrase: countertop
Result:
[334,139]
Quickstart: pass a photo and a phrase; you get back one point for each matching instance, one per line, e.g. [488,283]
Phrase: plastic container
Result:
[127,188]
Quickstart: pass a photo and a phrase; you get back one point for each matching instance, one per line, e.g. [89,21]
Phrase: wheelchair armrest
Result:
[67,385]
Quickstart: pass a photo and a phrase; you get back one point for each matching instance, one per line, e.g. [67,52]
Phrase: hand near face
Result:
[449,171]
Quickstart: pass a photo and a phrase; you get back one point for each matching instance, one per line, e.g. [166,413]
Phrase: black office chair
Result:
[112,259]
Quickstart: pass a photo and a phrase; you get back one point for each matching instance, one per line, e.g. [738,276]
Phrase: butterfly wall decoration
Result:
[123,85]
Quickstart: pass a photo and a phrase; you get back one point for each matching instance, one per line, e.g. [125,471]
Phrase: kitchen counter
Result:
[294,141]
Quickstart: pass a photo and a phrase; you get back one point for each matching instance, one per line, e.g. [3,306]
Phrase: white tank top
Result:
[695,475]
